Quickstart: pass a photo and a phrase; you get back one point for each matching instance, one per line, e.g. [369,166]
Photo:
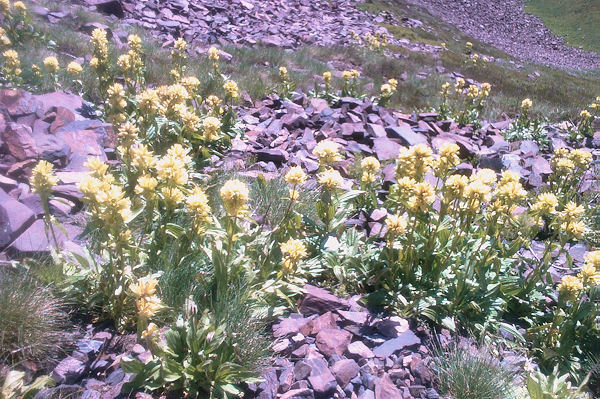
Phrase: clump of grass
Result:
[32,319]
[468,372]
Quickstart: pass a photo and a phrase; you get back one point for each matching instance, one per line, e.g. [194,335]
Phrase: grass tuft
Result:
[468,372]
[32,319]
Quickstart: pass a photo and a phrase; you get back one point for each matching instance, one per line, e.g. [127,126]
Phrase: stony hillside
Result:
[296,200]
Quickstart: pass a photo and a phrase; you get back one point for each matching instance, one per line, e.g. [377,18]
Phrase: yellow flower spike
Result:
[423,197]
[142,158]
[593,258]
[526,104]
[581,158]
[235,195]
[11,58]
[211,128]
[393,84]
[4,6]
[146,186]
[198,207]
[455,186]
[19,6]
[545,204]
[43,178]
[396,225]
[190,83]
[485,176]
[564,166]
[213,54]
[94,62]
[134,42]
[294,195]
[330,179]
[149,331]
[145,286]
[346,75]
[295,176]
[386,89]
[172,168]
[74,68]
[570,287]
[486,89]
[368,177]
[97,166]
[231,88]
[405,187]
[327,77]
[148,306]
[148,101]
[283,73]
[370,164]
[476,193]
[172,196]
[448,158]
[589,275]
[328,152]
[124,62]
[294,249]
[180,45]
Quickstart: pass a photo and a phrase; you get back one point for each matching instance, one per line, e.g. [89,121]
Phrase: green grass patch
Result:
[576,20]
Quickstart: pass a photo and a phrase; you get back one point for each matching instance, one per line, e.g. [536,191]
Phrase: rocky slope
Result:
[505,25]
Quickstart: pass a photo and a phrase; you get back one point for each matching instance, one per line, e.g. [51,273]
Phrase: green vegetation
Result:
[256,70]
[576,20]
[210,257]
[465,371]
[32,319]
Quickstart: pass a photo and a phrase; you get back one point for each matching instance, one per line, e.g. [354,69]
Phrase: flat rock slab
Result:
[404,340]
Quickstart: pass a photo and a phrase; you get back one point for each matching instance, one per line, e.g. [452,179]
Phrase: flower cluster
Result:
[144,291]
[132,64]
[51,64]
[295,177]
[179,57]
[106,200]
[211,127]
[293,251]
[199,209]
[74,68]
[235,195]
[370,169]
[330,179]
[374,42]
[43,178]
[116,104]
[99,61]
[11,67]
[414,161]
[387,91]
[327,152]
[172,171]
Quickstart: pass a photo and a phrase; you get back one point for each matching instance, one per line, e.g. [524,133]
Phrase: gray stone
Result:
[301,393]
[358,350]
[344,371]
[333,341]
[404,340]
[68,371]
[319,301]
[321,379]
